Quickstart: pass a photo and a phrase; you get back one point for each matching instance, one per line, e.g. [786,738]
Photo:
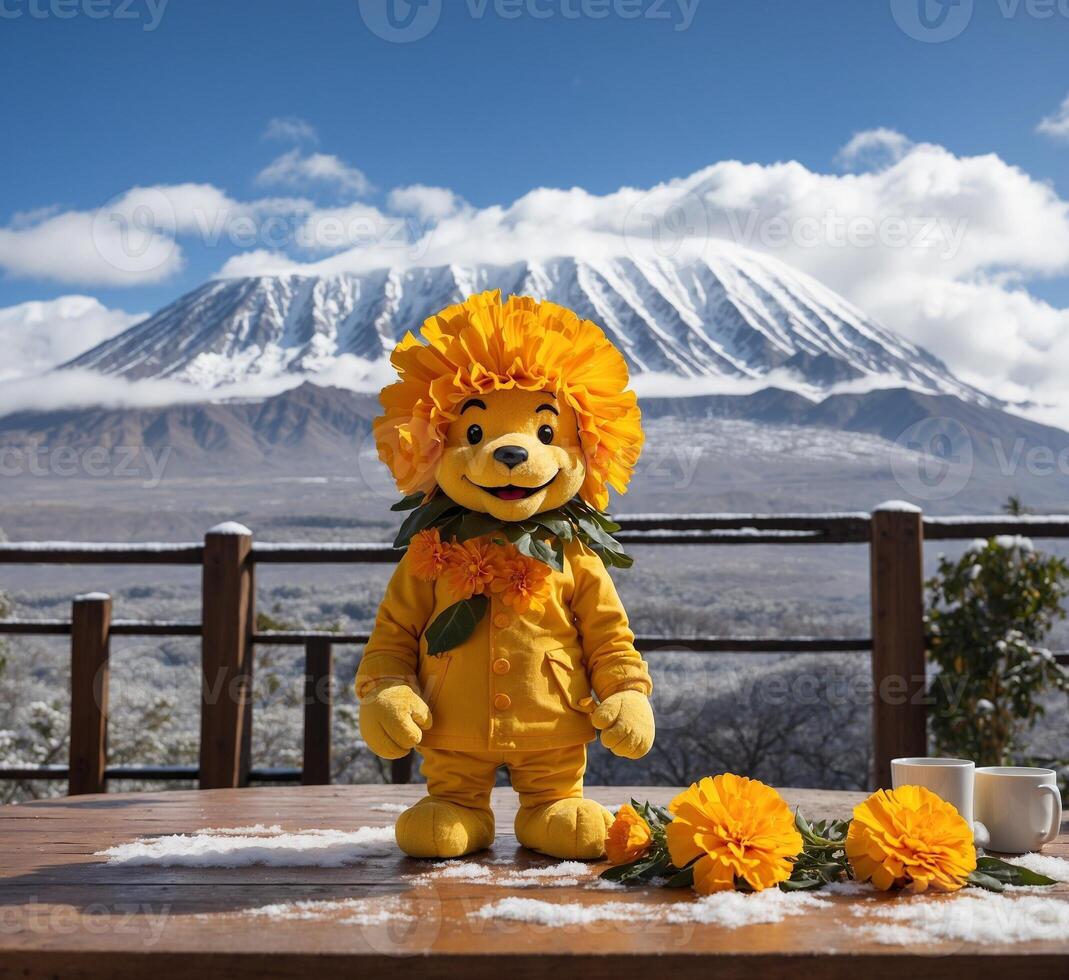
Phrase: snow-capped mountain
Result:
[737,315]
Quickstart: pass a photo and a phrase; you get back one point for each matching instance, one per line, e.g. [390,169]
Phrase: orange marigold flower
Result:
[520,581]
[629,836]
[739,829]
[427,554]
[469,567]
[910,838]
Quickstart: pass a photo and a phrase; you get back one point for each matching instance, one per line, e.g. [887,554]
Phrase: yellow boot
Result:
[572,828]
[434,828]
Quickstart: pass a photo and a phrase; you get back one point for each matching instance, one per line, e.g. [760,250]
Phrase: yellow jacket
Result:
[521,680]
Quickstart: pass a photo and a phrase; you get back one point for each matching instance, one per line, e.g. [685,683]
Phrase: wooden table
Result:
[65,912]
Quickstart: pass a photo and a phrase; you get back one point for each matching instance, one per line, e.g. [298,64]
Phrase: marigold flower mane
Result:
[483,345]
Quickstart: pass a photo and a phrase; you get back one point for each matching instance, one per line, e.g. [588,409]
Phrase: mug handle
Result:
[1056,823]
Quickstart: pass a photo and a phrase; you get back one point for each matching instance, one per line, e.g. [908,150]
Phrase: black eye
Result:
[545,433]
[475,434]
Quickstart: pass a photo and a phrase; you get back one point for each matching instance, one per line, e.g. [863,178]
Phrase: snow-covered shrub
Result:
[988,617]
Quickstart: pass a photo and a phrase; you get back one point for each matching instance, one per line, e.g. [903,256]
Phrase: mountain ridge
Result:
[736,315]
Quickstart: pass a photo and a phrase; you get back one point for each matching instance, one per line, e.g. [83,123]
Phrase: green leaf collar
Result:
[541,537]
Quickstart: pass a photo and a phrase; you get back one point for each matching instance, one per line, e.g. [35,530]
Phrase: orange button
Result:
[501,666]
[501,620]
[502,702]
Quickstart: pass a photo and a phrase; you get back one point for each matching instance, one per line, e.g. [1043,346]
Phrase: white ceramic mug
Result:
[950,779]
[1021,807]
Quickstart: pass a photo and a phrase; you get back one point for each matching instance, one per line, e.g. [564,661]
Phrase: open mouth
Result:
[511,491]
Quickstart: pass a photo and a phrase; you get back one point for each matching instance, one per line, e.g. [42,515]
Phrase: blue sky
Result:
[492,106]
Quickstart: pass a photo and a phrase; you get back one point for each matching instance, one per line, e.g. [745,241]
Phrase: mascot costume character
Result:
[501,640]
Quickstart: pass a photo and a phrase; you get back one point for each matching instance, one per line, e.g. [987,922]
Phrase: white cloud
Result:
[291,129]
[1057,123]
[133,239]
[26,219]
[87,248]
[128,241]
[428,203]
[297,169]
[352,226]
[37,336]
[81,387]
[873,149]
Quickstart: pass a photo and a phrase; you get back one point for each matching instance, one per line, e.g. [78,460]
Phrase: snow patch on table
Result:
[851,888]
[252,830]
[303,849]
[564,914]
[728,909]
[1043,864]
[734,909]
[971,917]
[563,875]
[358,911]
[389,807]
[463,870]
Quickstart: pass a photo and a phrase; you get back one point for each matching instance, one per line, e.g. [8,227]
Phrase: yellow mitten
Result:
[625,720]
[393,719]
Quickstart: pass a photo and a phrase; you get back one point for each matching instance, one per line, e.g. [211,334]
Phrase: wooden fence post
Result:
[898,643]
[228,619]
[318,672]
[90,636]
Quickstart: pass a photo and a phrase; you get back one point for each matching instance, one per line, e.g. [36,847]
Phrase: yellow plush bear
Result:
[501,640]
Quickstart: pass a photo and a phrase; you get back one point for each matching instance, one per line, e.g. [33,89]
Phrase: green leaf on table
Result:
[682,879]
[455,624]
[802,883]
[1011,874]
[980,880]
[644,869]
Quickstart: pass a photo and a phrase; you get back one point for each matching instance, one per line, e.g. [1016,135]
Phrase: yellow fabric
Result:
[455,819]
[392,721]
[625,720]
[522,681]
[435,828]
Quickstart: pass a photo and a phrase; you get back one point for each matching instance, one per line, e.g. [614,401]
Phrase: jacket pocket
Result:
[432,671]
[571,680]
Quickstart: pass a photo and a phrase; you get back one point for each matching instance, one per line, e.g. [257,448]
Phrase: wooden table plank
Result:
[65,912]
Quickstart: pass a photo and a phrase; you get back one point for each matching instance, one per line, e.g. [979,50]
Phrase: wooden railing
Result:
[228,557]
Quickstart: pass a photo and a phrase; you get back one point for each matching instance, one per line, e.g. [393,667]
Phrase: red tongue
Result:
[511,493]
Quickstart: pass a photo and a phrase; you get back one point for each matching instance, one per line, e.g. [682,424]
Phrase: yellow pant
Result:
[538,776]
[455,817]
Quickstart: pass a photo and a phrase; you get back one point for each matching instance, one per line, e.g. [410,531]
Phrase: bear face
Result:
[512,453]
[511,357]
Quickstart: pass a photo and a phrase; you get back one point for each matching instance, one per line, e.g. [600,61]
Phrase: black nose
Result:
[510,455]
